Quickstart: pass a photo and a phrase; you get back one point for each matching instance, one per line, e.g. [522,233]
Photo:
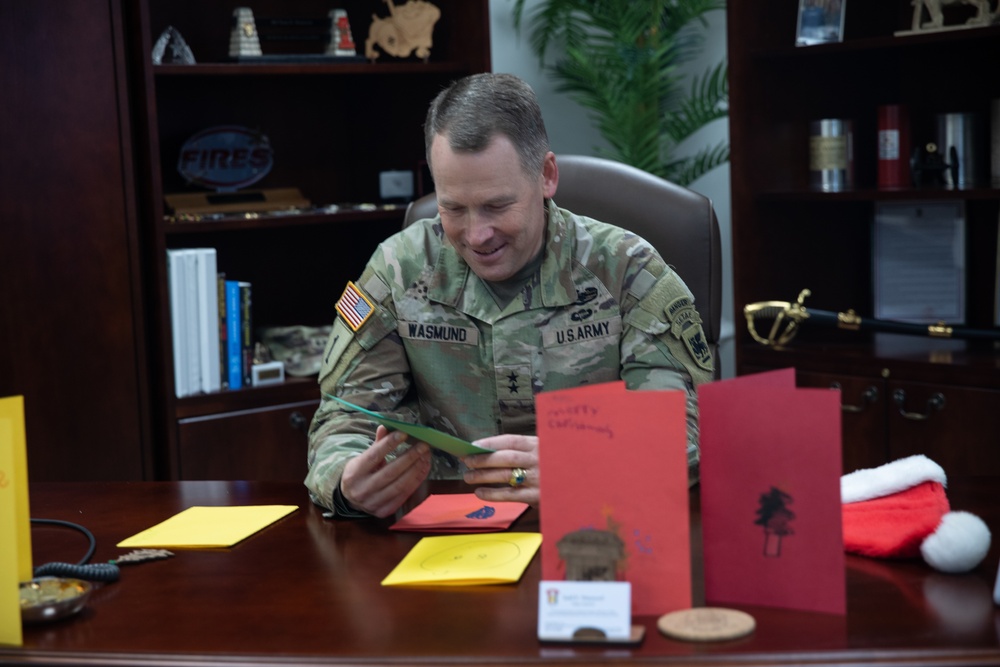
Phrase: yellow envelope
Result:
[466,560]
[205,527]
[15,521]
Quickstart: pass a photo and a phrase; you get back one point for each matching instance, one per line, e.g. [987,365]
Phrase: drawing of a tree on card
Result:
[775,517]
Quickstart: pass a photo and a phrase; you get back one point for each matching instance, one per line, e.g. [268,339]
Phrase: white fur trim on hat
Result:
[890,478]
[959,543]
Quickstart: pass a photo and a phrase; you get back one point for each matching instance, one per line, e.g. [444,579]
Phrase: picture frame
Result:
[820,22]
[996,309]
[919,262]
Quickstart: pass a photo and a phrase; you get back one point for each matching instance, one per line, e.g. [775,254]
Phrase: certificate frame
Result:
[820,22]
[919,261]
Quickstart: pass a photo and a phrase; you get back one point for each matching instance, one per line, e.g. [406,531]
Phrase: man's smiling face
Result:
[491,210]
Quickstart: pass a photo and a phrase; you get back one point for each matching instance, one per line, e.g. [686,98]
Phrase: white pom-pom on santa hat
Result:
[900,510]
[960,543]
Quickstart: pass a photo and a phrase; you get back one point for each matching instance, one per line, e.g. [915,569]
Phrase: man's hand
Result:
[513,452]
[372,484]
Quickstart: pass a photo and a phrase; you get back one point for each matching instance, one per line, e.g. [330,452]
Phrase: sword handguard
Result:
[783,312]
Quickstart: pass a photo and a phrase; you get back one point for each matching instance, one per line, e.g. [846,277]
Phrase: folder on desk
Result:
[466,560]
[770,493]
[208,527]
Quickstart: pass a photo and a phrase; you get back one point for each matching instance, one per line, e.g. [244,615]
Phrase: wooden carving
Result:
[935,13]
[407,29]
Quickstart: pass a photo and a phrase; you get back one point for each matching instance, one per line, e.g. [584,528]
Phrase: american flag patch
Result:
[354,307]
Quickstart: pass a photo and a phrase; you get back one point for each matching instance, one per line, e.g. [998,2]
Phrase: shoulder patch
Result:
[354,307]
[685,324]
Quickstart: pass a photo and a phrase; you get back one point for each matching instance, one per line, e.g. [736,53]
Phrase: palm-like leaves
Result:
[620,61]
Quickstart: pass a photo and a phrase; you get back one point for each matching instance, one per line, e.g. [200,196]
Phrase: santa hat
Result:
[900,510]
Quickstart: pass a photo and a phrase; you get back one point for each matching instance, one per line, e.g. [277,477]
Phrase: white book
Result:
[208,319]
[192,357]
[175,275]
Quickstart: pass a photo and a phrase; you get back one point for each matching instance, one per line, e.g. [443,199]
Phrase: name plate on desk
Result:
[585,611]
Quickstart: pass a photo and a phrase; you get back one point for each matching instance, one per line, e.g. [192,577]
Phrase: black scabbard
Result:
[853,322]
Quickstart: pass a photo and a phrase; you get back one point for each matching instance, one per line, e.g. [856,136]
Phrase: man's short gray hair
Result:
[472,110]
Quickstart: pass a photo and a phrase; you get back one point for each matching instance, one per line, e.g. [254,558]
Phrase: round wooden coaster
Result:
[706,624]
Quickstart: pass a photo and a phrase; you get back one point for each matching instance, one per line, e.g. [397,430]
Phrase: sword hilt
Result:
[786,318]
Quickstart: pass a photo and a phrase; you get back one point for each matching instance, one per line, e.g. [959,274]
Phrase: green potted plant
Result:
[621,59]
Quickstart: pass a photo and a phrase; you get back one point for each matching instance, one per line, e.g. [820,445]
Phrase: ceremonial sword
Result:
[788,316]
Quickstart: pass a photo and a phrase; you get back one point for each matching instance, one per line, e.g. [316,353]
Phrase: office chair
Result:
[678,222]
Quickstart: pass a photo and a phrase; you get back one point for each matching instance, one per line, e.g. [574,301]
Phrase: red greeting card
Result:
[614,502]
[459,513]
[770,493]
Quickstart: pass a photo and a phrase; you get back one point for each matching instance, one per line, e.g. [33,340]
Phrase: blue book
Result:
[234,347]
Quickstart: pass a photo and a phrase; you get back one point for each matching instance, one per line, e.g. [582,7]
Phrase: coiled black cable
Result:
[104,572]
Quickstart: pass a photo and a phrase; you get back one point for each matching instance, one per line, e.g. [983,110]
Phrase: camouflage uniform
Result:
[433,346]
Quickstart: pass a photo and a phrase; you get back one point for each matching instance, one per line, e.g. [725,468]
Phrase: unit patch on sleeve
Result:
[685,324]
[354,307]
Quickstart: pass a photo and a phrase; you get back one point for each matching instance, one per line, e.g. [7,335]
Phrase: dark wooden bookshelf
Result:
[333,126]
[787,237]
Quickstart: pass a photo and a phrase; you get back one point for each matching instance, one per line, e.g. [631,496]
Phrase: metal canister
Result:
[831,154]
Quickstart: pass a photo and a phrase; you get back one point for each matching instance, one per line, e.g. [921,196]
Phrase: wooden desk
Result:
[306,591]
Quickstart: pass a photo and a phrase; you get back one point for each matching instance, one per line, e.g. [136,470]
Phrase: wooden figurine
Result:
[407,29]
[983,15]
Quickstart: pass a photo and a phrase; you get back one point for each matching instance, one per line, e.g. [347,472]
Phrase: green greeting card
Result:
[438,439]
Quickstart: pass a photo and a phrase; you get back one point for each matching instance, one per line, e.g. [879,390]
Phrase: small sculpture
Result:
[243,37]
[930,167]
[341,41]
[934,10]
[408,28]
[180,53]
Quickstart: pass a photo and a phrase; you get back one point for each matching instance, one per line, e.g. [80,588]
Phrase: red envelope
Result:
[459,513]
[615,492]
[770,493]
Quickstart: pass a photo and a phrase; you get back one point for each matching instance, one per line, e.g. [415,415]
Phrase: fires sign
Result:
[226,157]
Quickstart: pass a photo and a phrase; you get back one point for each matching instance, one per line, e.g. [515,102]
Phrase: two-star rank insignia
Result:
[512,378]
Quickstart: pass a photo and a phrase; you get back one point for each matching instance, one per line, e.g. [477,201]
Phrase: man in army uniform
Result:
[457,322]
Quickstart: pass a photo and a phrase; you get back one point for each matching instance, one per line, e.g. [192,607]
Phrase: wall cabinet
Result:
[333,127]
[266,443]
[72,335]
[787,236]
[884,420]
[885,417]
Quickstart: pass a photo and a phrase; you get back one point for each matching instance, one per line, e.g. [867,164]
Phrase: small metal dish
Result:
[51,598]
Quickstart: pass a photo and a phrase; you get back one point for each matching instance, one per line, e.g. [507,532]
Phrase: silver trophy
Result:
[243,38]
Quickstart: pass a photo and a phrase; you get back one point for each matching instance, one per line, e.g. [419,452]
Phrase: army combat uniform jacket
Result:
[419,337]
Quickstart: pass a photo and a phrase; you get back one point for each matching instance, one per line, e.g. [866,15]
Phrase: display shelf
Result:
[788,236]
[235,223]
[239,69]
[332,127]
[884,44]
[293,389]
[873,195]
